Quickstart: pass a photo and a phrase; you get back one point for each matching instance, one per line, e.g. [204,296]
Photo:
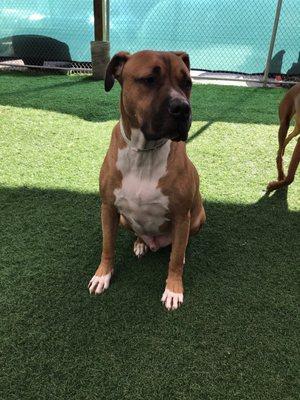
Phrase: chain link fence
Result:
[287,43]
[47,33]
[219,35]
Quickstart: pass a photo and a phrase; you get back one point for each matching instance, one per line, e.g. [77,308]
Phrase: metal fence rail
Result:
[254,37]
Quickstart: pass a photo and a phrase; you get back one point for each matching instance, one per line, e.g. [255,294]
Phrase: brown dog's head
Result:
[155,95]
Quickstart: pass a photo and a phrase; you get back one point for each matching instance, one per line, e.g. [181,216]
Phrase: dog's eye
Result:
[148,80]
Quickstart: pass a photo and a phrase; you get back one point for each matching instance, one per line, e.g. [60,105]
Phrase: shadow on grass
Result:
[239,316]
[85,98]
[74,95]
[199,132]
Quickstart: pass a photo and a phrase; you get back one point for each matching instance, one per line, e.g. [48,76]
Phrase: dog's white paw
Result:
[98,284]
[140,248]
[172,300]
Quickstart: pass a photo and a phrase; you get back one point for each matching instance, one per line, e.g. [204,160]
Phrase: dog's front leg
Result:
[110,221]
[173,294]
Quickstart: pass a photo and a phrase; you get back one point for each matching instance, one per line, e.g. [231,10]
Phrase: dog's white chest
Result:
[139,199]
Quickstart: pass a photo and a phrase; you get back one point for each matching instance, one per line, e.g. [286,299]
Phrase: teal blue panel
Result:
[68,21]
[224,35]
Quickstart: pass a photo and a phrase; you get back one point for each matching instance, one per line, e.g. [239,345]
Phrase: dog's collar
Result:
[157,144]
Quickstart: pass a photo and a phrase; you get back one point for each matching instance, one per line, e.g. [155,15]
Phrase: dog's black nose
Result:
[179,108]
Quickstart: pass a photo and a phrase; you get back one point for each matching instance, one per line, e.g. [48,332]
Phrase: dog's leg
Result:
[173,294]
[293,134]
[291,171]
[296,130]
[293,164]
[140,248]
[282,132]
[198,216]
[110,220]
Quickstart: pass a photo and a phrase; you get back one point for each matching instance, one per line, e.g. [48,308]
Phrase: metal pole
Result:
[272,42]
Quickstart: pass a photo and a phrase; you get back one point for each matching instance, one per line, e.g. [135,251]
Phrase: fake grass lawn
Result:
[235,337]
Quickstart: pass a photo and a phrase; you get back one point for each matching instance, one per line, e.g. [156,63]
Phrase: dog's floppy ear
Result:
[114,69]
[185,57]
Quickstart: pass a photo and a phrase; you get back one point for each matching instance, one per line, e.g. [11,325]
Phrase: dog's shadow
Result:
[277,199]
[239,269]
[59,231]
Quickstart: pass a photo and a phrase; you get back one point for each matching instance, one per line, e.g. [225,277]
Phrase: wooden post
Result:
[100,46]
[98,20]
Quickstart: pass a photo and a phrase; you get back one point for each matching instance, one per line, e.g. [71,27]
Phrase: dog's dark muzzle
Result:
[180,113]
[180,109]
[172,120]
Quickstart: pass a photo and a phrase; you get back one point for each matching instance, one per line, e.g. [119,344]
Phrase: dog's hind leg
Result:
[293,164]
[282,133]
[296,130]
[198,216]
[285,116]
[140,248]
[291,172]
[293,134]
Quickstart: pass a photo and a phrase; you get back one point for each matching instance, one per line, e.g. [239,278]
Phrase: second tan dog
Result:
[289,107]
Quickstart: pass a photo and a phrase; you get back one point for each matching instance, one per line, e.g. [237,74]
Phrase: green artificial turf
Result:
[235,337]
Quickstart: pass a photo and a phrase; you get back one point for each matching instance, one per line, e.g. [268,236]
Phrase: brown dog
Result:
[147,182]
[289,107]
